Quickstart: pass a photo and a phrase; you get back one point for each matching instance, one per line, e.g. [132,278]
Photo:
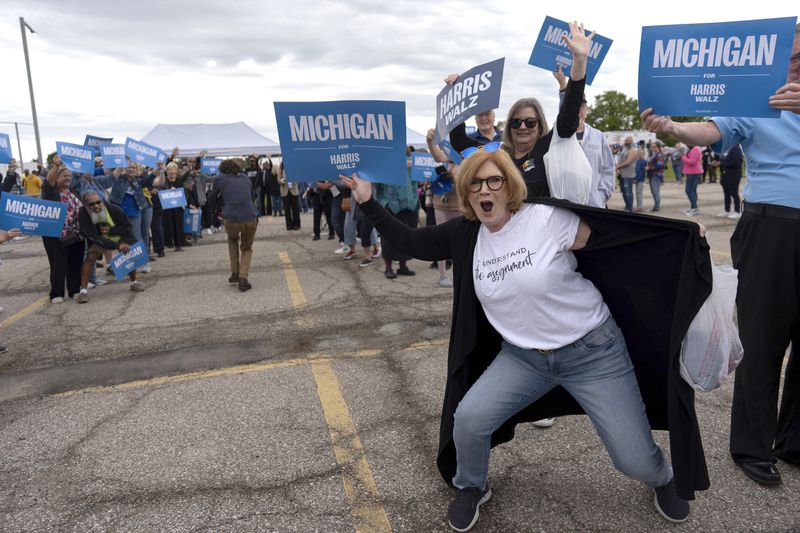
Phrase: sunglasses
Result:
[529,122]
[488,147]
[92,204]
[494,183]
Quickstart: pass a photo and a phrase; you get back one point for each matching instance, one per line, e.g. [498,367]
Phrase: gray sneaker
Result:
[444,281]
[669,504]
[463,511]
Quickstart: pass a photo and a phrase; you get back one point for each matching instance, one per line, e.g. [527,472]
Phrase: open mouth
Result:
[487,206]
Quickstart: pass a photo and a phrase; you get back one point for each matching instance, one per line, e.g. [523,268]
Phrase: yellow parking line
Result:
[295,290]
[359,486]
[19,315]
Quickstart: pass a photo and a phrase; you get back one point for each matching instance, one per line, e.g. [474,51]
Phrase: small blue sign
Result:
[96,142]
[191,221]
[114,156]
[143,153]
[32,215]
[210,166]
[172,198]
[550,51]
[76,157]
[423,166]
[717,69]
[477,90]
[5,149]
[320,140]
[124,263]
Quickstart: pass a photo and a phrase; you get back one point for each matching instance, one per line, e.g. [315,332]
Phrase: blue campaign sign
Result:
[191,221]
[451,152]
[477,90]
[172,198]
[143,153]
[5,148]
[124,264]
[114,156]
[423,166]
[717,69]
[210,166]
[32,215]
[320,140]
[96,142]
[550,51]
[76,157]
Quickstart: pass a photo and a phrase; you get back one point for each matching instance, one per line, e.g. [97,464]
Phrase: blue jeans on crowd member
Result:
[691,188]
[337,216]
[277,205]
[627,192]
[677,168]
[144,228]
[596,370]
[136,227]
[655,190]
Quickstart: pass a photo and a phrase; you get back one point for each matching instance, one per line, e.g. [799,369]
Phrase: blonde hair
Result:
[172,164]
[522,103]
[514,184]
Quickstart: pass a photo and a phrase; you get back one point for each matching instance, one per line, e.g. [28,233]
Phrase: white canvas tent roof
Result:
[219,139]
[415,139]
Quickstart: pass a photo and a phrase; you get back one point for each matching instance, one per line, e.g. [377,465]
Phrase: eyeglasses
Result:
[529,122]
[794,58]
[92,204]
[488,147]
[494,183]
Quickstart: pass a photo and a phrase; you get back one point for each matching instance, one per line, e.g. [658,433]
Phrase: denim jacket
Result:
[120,186]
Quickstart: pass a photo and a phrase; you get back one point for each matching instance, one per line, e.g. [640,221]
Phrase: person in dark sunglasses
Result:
[527,135]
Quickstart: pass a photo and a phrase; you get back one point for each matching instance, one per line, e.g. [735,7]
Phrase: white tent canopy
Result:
[415,139]
[218,139]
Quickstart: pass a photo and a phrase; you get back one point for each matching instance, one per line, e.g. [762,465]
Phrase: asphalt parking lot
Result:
[310,403]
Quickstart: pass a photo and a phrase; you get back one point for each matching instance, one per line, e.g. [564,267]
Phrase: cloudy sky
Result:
[119,67]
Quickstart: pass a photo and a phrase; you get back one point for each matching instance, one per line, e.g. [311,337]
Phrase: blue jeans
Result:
[691,188]
[147,219]
[596,370]
[655,189]
[627,193]
[677,167]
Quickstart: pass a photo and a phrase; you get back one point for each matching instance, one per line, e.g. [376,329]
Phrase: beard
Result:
[100,217]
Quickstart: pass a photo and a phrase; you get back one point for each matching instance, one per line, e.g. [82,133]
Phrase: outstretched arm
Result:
[691,133]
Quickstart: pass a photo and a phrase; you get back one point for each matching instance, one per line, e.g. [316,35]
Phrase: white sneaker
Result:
[444,281]
[145,269]
[100,281]
[90,285]
[57,300]
[343,249]
[735,215]
[209,231]
[725,214]
[544,422]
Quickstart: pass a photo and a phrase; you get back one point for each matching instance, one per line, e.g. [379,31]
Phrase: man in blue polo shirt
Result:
[766,250]
[486,131]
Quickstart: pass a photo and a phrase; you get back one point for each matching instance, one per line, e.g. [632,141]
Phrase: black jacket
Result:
[122,227]
[654,274]
[730,164]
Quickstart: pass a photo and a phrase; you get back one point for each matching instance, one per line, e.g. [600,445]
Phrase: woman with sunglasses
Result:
[514,269]
[526,135]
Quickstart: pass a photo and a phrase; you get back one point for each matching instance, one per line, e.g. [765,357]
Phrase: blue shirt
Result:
[772,152]
[498,136]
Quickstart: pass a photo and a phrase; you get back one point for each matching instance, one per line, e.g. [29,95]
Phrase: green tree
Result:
[614,111]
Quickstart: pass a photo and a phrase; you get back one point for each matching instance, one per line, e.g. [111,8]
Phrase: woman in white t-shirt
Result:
[556,329]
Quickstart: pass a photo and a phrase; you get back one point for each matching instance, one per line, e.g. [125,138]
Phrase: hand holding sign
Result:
[787,98]
[362,190]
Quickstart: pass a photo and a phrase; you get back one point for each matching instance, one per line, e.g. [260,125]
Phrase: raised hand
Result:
[577,41]
[362,190]
[559,75]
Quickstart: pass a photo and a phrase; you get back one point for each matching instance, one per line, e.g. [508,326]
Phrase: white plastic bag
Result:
[711,349]
[569,174]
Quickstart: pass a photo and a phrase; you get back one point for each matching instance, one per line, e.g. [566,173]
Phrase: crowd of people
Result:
[518,291]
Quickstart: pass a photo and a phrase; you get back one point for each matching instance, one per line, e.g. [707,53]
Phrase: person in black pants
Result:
[157,225]
[65,258]
[321,200]
[730,166]
[291,201]
[173,218]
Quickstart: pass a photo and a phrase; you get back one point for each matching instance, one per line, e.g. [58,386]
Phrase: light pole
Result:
[22,26]
[19,144]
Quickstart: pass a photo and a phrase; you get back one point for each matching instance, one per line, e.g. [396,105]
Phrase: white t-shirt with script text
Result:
[525,279]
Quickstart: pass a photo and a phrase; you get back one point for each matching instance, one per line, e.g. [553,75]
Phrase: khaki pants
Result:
[247,232]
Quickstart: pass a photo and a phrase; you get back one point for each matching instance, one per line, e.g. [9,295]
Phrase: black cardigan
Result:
[532,164]
[654,274]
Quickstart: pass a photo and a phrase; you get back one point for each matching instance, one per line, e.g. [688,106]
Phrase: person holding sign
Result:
[173,217]
[526,135]
[106,227]
[518,271]
[764,250]
[64,253]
